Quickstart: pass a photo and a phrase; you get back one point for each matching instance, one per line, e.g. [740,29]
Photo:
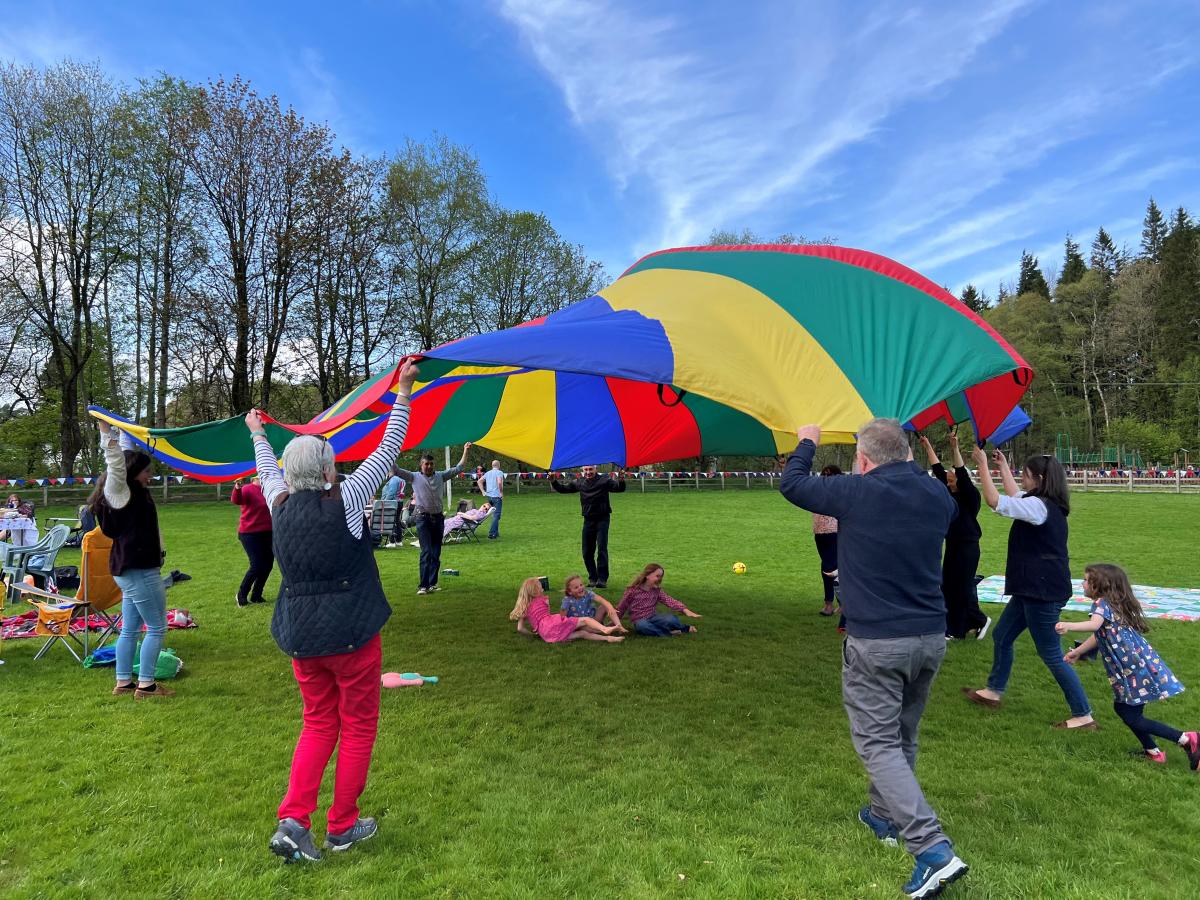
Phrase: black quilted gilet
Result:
[330,600]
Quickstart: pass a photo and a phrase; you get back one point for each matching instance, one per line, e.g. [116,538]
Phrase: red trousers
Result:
[341,701]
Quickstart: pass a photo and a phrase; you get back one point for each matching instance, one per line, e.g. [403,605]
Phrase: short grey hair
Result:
[495,463]
[305,460]
[883,441]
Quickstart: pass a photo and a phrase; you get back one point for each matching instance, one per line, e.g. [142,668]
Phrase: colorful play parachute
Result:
[695,351]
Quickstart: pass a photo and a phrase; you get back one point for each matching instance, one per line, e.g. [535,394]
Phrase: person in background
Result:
[825,537]
[254,533]
[491,485]
[593,491]
[125,510]
[393,488]
[961,560]
[328,619]
[431,521]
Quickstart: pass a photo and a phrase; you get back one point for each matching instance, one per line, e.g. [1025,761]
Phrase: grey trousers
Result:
[885,683]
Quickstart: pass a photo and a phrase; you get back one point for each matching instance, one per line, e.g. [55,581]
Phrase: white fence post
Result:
[722,481]
[670,478]
[1131,480]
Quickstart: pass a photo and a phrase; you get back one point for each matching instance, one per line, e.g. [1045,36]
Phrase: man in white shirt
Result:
[491,485]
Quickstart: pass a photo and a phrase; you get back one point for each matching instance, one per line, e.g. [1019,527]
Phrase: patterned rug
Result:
[1182,604]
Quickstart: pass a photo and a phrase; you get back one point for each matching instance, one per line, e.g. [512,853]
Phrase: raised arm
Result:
[1006,475]
[571,487]
[930,454]
[270,479]
[466,448]
[616,483]
[828,496]
[360,487]
[990,495]
[955,452]
[116,486]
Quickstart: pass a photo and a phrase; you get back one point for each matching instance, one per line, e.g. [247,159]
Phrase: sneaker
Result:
[362,830]
[391,545]
[936,867]
[159,691]
[1192,746]
[241,601]
[982,630]
[884,830]
[257,600]
[433,589]
[120,689]
[1156,755]
[293,842]
[591,582]
[422,591]
[601,584]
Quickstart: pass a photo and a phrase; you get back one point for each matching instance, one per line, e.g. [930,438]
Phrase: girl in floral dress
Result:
[1135,670]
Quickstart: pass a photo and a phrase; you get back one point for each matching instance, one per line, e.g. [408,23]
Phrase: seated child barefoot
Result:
[1136,672]
[641,600]
[581,602]
[534,607]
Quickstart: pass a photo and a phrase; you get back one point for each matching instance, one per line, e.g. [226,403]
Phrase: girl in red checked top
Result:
[641,602]
[533,607]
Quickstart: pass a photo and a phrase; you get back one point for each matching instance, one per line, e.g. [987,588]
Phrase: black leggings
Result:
[1134,715]
[827,550]
[257,545]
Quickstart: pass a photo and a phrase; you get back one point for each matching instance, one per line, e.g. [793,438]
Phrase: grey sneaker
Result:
[293,842]
[362,830]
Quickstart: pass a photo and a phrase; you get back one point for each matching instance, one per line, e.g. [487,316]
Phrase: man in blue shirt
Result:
[491,485]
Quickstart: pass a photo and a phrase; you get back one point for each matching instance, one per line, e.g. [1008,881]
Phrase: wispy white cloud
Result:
[719,119]
[43,44]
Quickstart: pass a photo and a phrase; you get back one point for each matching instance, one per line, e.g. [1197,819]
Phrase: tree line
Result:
[1113,334]
[180,252]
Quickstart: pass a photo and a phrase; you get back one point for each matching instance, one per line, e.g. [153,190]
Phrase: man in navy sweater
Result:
[891,522]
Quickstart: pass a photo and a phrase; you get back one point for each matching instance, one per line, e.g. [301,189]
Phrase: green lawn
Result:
[717,765]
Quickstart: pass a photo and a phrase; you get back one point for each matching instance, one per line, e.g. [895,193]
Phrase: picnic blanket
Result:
[24,625]
[1182,604]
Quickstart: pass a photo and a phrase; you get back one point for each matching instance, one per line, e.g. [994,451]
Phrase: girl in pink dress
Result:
[533,606]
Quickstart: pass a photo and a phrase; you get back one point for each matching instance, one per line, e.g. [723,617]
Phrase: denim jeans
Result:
[497,506]
[143,600]
[429,533]
[660,625]
[1040,617]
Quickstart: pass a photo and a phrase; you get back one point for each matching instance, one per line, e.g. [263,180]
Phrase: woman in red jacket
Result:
[254,531]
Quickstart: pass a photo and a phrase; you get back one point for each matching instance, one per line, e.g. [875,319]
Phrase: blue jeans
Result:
[660,625]
[1039,616]
[497,505]
[143,600]
[429,534]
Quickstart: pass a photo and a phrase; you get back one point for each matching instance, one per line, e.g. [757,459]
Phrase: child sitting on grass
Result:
[1136,671]
[579,602]
[534,607]
[641,601]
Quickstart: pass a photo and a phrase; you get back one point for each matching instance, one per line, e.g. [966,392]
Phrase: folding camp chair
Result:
[383,519]
[37,559]
[98,594]
[464,531]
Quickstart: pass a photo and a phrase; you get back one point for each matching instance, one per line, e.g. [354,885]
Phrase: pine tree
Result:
[973,300]
[1031,279]
[1105,256]
[1179,297]
[1073,265]
[1154,232]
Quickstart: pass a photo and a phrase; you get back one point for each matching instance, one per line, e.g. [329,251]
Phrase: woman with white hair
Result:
[328,617]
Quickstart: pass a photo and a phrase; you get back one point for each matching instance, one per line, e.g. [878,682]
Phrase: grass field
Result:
[715,766]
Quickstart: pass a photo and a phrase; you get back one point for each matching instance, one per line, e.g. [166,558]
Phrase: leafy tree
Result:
[973,300]
[1179,297]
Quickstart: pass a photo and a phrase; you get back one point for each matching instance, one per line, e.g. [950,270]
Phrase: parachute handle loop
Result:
[679,395]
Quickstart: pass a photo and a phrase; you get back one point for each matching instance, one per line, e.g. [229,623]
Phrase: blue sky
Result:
[948,136]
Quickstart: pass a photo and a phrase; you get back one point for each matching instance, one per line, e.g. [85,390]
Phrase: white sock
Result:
[1182,742]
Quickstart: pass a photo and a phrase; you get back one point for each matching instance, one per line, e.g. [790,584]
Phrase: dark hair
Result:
[135,462]
[1051,479]
[1111,583]
[426,457]
[831,469]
